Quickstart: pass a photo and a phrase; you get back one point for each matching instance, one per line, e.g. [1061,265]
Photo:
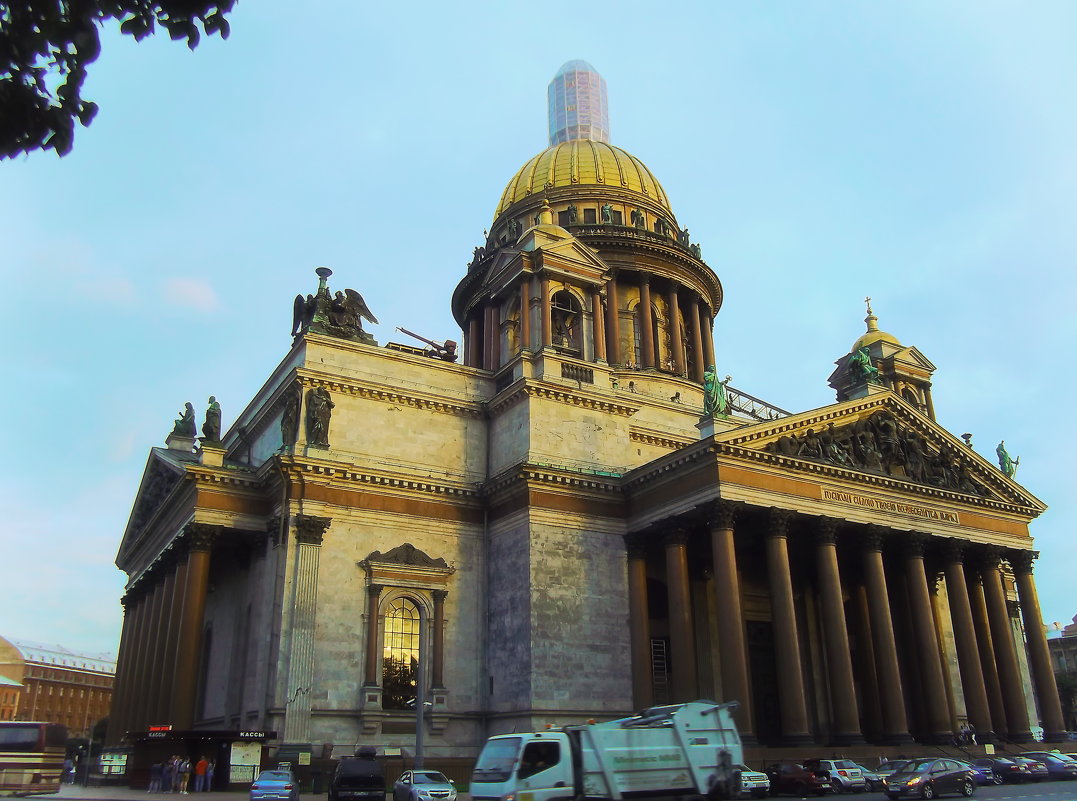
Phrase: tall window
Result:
[400,658]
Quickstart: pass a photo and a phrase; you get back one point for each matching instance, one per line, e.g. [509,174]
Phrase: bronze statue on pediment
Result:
[338,315]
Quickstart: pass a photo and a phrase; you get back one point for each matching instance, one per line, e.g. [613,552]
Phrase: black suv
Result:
[358,778]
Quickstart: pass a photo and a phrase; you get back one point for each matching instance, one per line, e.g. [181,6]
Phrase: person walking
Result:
[156,771]
[209,775]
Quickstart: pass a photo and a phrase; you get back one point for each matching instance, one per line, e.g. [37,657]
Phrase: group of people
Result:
[173,775]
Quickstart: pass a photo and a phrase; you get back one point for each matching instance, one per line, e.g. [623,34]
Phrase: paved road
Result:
[1043,791]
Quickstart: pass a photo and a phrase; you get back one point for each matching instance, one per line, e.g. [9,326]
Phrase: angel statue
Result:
[714,397]
[348,309]
[1006,463]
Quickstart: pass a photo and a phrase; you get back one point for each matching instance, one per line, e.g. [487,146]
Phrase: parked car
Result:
[928,778]
[1059,766]
[1036,769]
[752,782]
[984,774]
[845,775]
[886,769]
[273,785]
[792,777]
[358,778]
[423,785]
[872,778]
[1006,770]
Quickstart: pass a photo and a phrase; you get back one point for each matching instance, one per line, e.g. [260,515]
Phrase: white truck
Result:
[666,751]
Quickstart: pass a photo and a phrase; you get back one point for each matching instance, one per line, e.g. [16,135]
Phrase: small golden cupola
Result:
[878,362]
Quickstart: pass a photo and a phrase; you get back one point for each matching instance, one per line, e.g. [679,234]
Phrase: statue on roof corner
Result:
[211,429]
[185,424]
[861,366]
[1006,463]
[340,315]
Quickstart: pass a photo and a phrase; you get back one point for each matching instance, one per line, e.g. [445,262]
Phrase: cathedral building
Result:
[577,520]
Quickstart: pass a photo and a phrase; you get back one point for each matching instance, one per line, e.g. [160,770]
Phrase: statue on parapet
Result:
[211,429]
[714,394]
[1006,463]
[185,425]
[340,315]
[860,365]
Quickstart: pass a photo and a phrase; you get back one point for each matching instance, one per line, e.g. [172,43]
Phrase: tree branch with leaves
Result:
[47,45]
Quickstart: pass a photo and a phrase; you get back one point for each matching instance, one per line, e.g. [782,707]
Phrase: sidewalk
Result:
[76,792]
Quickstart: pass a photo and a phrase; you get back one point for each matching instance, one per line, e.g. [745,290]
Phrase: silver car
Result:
[423,785]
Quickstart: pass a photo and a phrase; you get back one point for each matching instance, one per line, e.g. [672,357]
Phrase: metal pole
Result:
[420,701]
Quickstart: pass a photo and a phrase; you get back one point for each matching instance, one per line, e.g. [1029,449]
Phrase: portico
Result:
[837,603]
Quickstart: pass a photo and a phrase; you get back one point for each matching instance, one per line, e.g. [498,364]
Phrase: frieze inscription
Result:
[868,502]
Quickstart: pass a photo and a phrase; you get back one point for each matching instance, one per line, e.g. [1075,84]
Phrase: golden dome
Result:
[873,333]
[583,162]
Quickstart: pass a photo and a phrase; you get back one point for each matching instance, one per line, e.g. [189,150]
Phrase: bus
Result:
[31,757]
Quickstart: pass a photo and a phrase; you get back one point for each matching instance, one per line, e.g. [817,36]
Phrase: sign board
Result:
[243,762]
[989,749]
[113,764]
[304,758]
[162,727]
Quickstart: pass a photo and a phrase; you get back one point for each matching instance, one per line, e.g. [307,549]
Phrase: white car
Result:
[752,782]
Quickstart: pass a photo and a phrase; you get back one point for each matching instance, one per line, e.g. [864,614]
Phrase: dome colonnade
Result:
[629,289]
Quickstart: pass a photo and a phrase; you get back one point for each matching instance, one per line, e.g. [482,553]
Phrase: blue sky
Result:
[922,153]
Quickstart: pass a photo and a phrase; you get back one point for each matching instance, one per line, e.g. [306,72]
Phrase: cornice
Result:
[659,440]
[309,379]
[300,468]
[227,475]
[669,463]
[552,476]
[560,395]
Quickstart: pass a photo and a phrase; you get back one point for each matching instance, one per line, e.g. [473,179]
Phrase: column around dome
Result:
[675,329]
[697,340]
[646,322]
[613,322]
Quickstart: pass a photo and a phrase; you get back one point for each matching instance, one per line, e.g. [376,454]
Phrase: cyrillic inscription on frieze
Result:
[868,502]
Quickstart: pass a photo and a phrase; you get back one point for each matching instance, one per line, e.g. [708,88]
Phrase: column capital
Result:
[273,529]
[913,543]
[874,537]
[826,531]
[200,536]
[1021,561]
[953,551]
[779,520]
[723,514]
[635,545]
[986,557]
[678,535]
[374,590]
[644,278]
[439,596]
[309,529]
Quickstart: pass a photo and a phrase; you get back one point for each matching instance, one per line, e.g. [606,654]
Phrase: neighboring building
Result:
[10,690]
[553,531]
[56,685]
[576,104]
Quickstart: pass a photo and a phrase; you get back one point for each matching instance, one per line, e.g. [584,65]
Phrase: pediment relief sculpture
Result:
[407,554]
[885,445]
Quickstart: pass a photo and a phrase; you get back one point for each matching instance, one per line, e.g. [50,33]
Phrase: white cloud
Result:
[191,293]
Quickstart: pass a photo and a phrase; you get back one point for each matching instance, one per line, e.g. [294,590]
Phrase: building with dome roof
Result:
[554,530]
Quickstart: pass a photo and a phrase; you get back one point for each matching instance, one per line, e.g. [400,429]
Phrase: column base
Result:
[848,738]
[798,739]
[1022,737]
[897,738]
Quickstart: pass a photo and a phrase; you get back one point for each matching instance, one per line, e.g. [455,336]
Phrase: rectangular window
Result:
[590,215]
[618,218]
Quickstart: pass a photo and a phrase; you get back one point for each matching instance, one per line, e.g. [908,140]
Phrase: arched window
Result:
[400,654]
[566,318]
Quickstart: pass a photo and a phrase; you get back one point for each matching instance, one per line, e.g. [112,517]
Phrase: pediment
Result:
[913,357]
[572,254]
[164,471]
[881,437]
